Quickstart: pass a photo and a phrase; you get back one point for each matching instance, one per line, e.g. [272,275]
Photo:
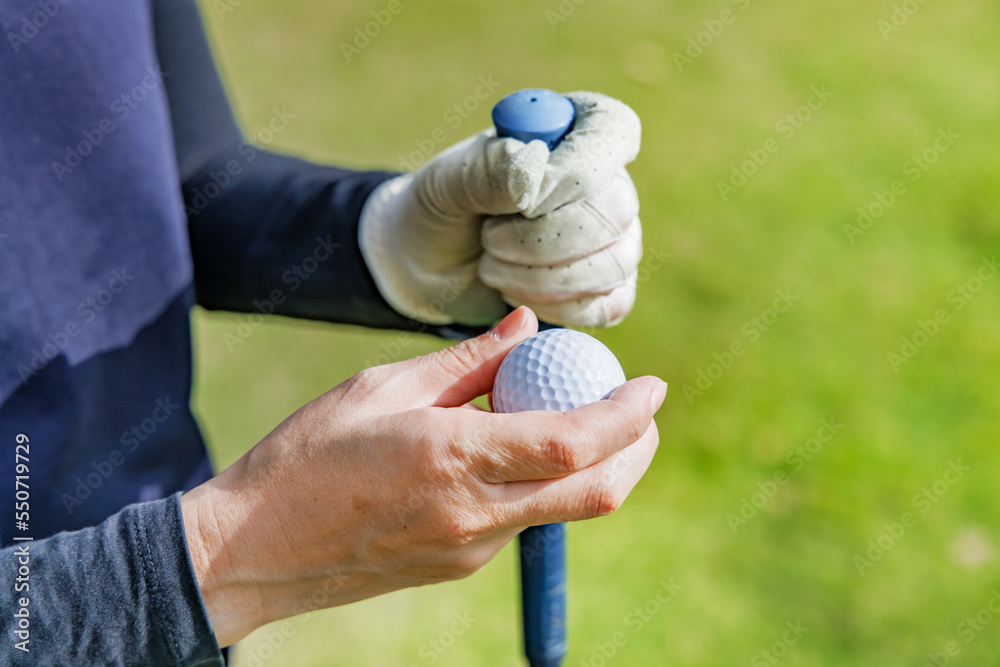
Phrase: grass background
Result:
[826,357]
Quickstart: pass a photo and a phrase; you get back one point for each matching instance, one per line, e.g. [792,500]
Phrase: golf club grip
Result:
[527,115]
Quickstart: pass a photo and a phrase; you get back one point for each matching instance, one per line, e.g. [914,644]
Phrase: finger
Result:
[582,311]
[456,375]
[568,233]
[596,273]
[592,492]
[545,444]
[605,137]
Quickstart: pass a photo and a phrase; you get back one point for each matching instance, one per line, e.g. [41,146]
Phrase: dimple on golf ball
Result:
[557,369]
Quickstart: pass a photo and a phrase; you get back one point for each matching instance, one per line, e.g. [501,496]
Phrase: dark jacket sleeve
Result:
[121,593]
[268,232]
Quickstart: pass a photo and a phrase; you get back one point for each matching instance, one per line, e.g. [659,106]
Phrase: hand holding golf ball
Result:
[495,221]
[392,479]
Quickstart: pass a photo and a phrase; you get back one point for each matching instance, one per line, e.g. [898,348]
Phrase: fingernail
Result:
[509,325]
[658,395]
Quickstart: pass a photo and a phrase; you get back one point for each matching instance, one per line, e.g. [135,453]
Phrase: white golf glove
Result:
[491,220]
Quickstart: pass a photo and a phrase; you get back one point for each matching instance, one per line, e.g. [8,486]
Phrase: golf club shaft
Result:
[543,594]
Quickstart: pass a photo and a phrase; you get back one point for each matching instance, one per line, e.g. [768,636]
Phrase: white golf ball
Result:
[557,369]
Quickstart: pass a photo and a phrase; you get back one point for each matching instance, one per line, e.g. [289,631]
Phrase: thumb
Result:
[455,375]
[485,176]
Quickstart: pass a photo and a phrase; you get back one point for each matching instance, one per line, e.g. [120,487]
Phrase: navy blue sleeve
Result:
[282,237]
[269,233]
[120,593]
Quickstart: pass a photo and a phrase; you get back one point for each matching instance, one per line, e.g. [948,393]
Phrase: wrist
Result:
[385,253]
[232,602]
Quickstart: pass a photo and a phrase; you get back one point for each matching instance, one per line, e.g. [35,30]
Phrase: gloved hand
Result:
[491,220]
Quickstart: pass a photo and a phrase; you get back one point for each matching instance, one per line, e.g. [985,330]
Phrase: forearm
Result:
[268,232]
[123,592]
[272,233]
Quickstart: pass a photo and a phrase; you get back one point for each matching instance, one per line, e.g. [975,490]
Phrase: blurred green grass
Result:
[826,357]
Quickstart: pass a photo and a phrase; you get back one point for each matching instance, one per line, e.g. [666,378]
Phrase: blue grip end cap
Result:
[534,114]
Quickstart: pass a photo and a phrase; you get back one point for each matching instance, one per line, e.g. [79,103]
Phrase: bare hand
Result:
[392,479]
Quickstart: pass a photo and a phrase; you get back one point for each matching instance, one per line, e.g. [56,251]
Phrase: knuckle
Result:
[561,453]
[459,357]
[490,466]
[634,426]
[461,445]
[619,302]
[617,203]
[365,382]
[440,462]
[601,499]
[457,529]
